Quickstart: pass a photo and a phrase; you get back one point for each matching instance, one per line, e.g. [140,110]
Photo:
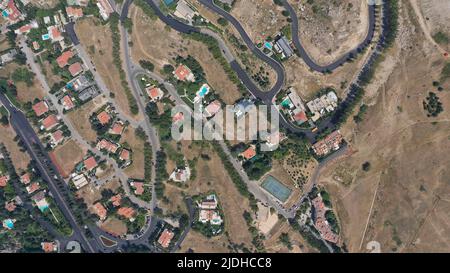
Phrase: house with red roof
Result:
[127,213]
[74,13]
[11,12]
[50,122]
[67,102]
[125,155]
[117,128]
[57,137]
[100,210]
[63,60]
[183,73]
[10,206]
[25,179]
[108,146]
[154,93]
[138,187]
[4,180]
[165,238]
[40,108]
[55,34]
[249,153]
[49,247]
[115,200]
[103,118]
[90,163]
[75,69]
[33,187]
[212,109]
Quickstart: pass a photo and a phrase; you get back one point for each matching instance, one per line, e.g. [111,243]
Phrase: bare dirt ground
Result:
[245,58]
[24,93]
[401,201]
[97,42]
[328,29]
[273,243]
[114,226]
[200,244]
[44,3]
[161,45]
[20,159]
[436,15]
[136,170]
[266,19]
[80,119]
[211,176]
[68,155]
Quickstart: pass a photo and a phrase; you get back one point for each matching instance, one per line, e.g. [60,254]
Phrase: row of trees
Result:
[114,25]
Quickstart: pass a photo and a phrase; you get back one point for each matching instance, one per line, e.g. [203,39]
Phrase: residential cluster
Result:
[292,105]
[330,143]
[210,220]
[52,128]
[320,221]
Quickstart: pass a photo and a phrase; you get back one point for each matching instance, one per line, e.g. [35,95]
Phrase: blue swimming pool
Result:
[43,208]
[268,45]
[5,13]
[45,37]
[204,90]
[8,223]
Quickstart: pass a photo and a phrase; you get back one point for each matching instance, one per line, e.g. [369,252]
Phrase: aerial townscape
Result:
[356,160]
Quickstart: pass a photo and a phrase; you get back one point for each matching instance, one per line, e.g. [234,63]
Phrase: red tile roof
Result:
[40,108]
[182,72]
[74,12]
[139,188]
[116,200]
[177,117]
[63,60]
[249,153]
[33,187]
[165,238]
[67,102]
[117,128]
[3,181]
[108,146]
[75,69]
[25,179]
[124,155]
[57,136]
[103,118]
[126,212]
[90,163]
[100,211]
[50,122]
[301,116]
[48,247]
[10,206]
[55,33]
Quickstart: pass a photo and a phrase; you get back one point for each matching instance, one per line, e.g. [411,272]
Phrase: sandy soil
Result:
[68,155]
[161,45]
[400,201]
[92,33]
[19,158]
[80,119]
[328,29]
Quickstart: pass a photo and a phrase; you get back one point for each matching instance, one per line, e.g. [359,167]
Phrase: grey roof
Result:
[283,43]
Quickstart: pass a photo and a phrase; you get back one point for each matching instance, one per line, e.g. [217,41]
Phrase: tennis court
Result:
[276,188]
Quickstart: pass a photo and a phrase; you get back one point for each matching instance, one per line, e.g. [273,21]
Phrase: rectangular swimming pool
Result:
[276,188]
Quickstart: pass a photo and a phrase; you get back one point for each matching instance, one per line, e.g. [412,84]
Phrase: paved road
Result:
[343,59]
[48,171]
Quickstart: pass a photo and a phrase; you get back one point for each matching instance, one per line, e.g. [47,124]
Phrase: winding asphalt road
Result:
[343,59]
